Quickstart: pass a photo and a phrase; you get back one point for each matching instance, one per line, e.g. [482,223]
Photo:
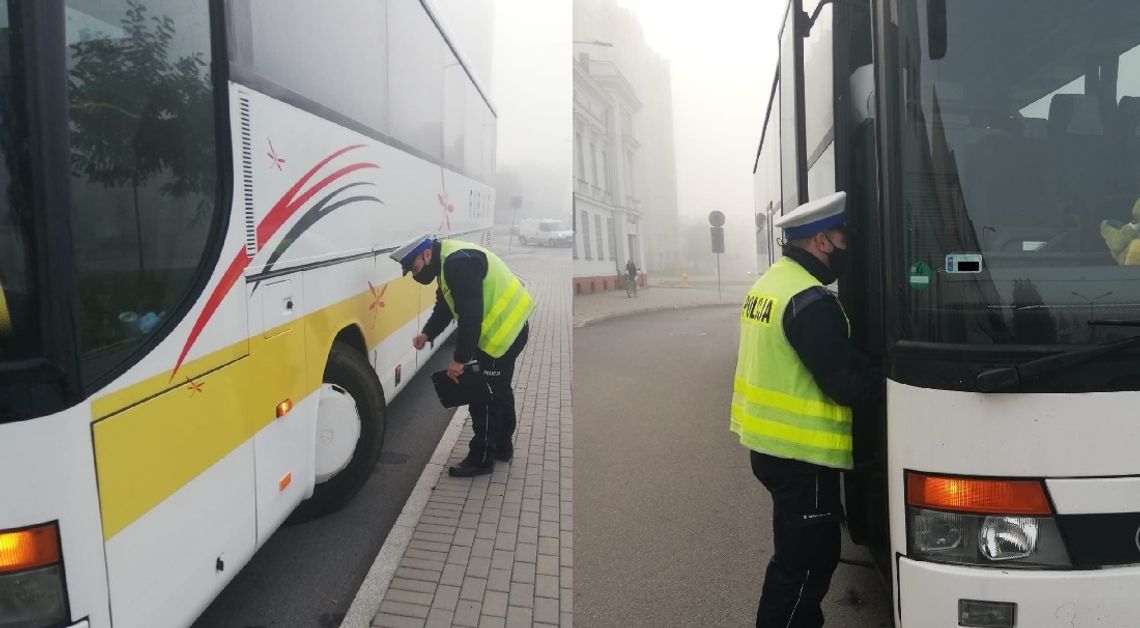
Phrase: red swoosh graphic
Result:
[278,215]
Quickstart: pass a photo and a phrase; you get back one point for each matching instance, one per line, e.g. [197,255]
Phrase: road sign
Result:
[716,218]
[717,239]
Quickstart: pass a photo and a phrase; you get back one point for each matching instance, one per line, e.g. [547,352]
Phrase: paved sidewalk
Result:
[495,550]
[667,295]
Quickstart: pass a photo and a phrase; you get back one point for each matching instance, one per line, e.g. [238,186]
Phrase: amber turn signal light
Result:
[29,548]
[977,495]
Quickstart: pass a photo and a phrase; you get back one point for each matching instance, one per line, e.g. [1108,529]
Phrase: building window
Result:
[598,231]
[613,242]
[579,162]
[605,172]
[586,235]
[574,228]
[594,160]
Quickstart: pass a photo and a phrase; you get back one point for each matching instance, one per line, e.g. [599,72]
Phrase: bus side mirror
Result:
[936,28]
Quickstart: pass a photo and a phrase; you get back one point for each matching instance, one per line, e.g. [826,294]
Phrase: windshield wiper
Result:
[1006,377]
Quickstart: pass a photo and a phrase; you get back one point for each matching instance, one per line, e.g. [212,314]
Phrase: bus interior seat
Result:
[1083,153]
[1128,119]
[1010,189]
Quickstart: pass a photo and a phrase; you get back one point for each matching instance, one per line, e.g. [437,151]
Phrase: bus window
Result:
[19,322]
[144,173]
[789,143]
[288,42]
[1020,171]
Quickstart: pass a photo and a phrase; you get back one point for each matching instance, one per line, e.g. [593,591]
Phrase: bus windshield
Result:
[1020,159]
[19,326]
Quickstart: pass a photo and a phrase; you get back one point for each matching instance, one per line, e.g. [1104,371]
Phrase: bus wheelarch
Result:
[350,431]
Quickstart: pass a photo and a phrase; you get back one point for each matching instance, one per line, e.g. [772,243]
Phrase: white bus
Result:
[991,156]
[199,323]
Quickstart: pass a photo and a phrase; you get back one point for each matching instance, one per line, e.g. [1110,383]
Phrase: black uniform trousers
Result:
[806,514]
[493,421]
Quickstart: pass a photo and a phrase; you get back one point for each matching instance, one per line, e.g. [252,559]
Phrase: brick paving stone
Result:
[473,589]
[438,618]
[499,580]
[404,610]
[419,586]
[409,597]
[467,613]
[519,617]
[548,565]
[497,550]
[479,567]
[446,597]
[546,586]
[523,572]
[495,604]
[546,610]
[384,620]
[522,595]
[453,575]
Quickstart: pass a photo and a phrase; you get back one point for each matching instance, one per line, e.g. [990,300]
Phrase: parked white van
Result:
[545,231]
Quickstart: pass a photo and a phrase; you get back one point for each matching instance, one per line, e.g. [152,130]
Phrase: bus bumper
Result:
[928,595]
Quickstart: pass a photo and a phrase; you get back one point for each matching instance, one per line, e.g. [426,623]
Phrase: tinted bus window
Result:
[143,164]
[417,56]
[288,42]
[19,320]
[789,155]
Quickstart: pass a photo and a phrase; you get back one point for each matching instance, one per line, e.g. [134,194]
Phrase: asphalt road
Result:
[670,527]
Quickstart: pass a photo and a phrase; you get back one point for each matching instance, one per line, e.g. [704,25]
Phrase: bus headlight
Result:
[31,599]
[31,578]
[1009,538]
[999,522]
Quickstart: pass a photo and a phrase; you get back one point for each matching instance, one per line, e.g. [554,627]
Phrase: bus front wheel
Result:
[350,431]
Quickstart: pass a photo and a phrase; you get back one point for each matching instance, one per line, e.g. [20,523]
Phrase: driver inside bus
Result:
[798,375]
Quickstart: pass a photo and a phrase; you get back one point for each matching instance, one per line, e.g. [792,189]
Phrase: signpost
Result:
[716,220]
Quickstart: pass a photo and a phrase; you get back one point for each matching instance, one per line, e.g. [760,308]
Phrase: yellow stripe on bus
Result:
[165,437]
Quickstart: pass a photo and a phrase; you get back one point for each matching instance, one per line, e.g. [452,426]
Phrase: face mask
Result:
[839,259]
[425,276]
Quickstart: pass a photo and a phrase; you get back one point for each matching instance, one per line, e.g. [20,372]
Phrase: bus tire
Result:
[349,385]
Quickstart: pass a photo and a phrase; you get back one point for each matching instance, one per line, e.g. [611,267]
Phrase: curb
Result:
[597,318]
[375,586]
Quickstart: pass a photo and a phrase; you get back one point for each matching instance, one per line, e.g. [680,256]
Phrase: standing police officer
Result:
[797,376]
[491,306]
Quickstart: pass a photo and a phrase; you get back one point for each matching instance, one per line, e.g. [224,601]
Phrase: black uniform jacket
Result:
[816,328]
[464,271]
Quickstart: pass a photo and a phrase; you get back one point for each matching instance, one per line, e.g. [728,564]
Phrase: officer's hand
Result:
[454,370]
[419,341]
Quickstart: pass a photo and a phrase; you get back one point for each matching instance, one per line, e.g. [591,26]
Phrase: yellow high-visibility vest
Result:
[777,408]
[506,304]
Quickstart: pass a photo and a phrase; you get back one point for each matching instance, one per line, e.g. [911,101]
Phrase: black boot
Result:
[467,470]
[504,452]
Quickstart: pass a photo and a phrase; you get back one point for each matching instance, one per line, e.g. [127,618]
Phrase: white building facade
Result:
[625,192]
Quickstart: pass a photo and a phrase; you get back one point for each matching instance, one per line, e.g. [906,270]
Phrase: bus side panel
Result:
[284,462]
[176,486]
[62,469]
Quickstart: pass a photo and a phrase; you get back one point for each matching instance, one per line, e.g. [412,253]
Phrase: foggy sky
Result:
[723,56]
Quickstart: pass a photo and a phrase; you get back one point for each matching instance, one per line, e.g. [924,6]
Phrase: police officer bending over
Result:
[797,377]
[491,306]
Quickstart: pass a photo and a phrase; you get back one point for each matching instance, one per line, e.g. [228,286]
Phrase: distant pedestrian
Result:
[491,307]
[797,377]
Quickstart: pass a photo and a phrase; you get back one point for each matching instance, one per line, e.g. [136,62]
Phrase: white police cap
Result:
[814,217]
[410,249]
